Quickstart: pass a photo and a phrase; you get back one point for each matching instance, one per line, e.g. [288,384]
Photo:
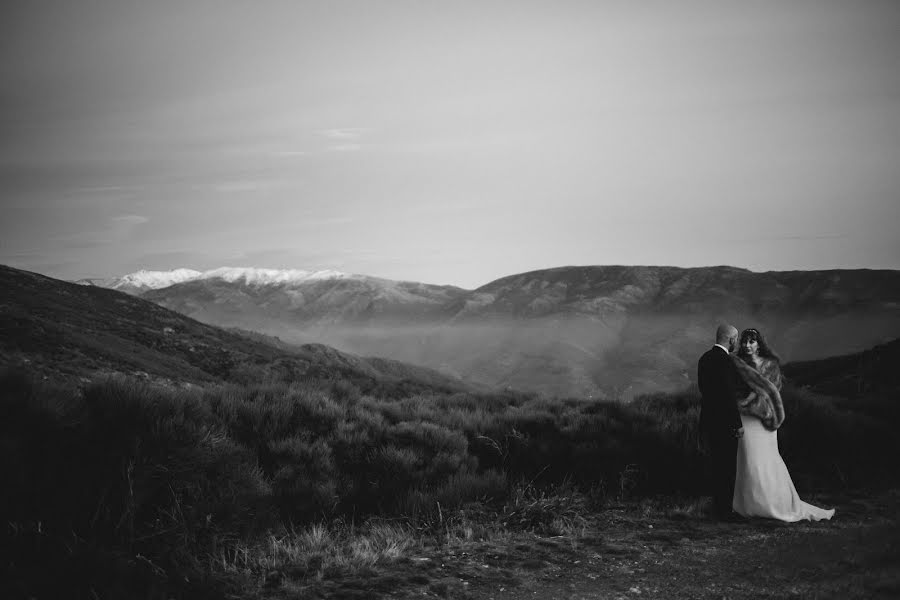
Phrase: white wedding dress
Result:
[763,486]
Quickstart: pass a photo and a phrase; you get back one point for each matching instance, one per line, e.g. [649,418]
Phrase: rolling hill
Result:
[601,331]
[867,373]
[63,330]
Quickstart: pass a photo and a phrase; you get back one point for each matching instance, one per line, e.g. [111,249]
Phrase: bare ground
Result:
[649,549]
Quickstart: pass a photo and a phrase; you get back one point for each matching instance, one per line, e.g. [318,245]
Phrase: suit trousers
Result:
[723,465]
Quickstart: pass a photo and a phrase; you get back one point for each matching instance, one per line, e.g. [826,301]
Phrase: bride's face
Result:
[750,347]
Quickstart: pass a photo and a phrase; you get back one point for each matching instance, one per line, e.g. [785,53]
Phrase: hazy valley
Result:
[70,332]
[605,331]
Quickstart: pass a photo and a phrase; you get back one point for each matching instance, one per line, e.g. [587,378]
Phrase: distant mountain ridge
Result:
[154,279]
[600,289]
[144,280]
[62,330]
[614,330]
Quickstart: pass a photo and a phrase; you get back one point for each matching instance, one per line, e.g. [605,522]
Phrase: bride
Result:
[763,486]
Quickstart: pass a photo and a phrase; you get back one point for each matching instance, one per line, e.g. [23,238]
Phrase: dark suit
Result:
[720,387]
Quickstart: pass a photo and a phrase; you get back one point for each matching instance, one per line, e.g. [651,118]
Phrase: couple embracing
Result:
[740,412]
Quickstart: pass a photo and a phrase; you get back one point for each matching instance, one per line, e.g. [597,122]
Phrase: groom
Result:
[720,422]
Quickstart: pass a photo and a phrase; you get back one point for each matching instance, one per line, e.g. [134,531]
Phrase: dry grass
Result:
[238,482]
[317,550]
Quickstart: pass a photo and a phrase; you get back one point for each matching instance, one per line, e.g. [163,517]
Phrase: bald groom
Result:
[720,422]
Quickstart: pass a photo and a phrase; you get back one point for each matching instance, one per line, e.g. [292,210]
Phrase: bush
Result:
[122,477]
[121,470]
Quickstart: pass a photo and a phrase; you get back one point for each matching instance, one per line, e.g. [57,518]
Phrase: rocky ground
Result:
[650,549]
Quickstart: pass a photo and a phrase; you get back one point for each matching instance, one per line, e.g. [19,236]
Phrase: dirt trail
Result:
[857,555]
[634,553]
[649,551]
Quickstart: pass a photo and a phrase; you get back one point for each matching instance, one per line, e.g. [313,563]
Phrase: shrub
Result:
[124,477]
[123,470]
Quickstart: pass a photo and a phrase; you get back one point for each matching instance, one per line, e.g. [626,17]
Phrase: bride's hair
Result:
[764,350]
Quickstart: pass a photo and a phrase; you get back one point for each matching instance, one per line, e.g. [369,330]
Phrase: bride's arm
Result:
[747,400]
[772,372]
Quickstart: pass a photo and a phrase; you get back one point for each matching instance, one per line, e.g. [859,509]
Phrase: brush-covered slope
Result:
[614,331]
[872,372]
[61,329]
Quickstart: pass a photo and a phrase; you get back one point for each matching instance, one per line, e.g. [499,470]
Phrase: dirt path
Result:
[855,556]
[639,553]
[651,551]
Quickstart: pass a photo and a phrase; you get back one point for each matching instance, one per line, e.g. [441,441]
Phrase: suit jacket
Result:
[720,388]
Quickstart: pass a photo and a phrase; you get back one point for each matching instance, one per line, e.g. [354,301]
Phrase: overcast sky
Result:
[447,141]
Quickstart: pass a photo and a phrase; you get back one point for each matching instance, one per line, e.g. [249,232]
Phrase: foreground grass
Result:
[656,548]
[121,489]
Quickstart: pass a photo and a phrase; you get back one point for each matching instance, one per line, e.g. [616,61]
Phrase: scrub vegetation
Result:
[123,488]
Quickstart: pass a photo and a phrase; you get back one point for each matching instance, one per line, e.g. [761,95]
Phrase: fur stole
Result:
[765,401]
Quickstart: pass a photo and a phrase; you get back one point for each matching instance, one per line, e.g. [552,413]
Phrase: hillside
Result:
[120,488]
[872,372]
[63,330]
[577,289]
[601,331]
[323,474]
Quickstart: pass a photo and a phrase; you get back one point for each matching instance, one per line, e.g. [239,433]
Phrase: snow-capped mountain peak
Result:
[256,276]
[153,280]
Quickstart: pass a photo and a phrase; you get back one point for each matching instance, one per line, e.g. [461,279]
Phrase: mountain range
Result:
[62,331]
[599,331]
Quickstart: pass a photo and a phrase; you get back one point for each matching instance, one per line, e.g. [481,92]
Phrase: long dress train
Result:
[763,486]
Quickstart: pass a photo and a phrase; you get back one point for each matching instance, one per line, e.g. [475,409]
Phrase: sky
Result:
[448,142]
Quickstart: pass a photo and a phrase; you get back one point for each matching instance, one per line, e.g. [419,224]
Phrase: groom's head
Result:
[727,335]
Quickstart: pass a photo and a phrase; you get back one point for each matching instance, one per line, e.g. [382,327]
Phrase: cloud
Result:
[105,196]
[791,237]
[346,139]
[345,133]
[323,221]
[267,149]
[109,189]
[808,237]
[129,220]
[237,186]
[288,153]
